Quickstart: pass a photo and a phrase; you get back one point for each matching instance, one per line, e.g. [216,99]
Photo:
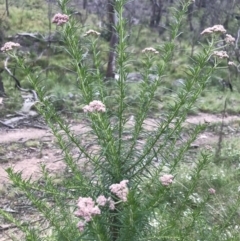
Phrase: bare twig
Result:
[219,145]
[11,74]
[35,126]
[18,82]
[10,226]
[237,40]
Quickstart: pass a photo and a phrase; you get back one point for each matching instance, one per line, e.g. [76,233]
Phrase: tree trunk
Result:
[156,13]
[84,4]
[2,92]
[112,20]
[7,8]
[190,15]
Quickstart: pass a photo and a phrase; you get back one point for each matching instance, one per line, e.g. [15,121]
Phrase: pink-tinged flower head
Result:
[214,29]
[120,190]
[111,204]
[91,32]
[166,179]
[95,106]
[150,50]
[230,63]
[211,190]
[86,208]
[9,46]
[81,226]
[101,200]
[60,19]
[229,39]
[221,54]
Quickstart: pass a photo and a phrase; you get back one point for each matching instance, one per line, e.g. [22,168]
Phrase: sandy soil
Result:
[25,149]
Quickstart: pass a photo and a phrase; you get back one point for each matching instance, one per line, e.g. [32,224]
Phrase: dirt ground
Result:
[25,149]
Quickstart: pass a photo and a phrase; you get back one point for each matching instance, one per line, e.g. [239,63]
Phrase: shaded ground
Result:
[27,148]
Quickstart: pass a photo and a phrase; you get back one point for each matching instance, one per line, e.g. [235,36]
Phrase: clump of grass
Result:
[212,101]
[28,18]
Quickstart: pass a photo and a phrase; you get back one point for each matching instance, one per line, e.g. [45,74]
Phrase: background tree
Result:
[112,20]
[157,7]
[7,8]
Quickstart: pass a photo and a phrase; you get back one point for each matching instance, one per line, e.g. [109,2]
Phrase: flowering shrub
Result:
[166,179]
[150,50]
[95,106]
[221,54]
[91,32]
[60,19]
[120,190]
[229,39]
[127,195]
[215,29]
[9,46]
[87,209]
[211,190]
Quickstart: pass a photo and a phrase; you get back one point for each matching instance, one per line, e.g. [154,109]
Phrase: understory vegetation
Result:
[146,181]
